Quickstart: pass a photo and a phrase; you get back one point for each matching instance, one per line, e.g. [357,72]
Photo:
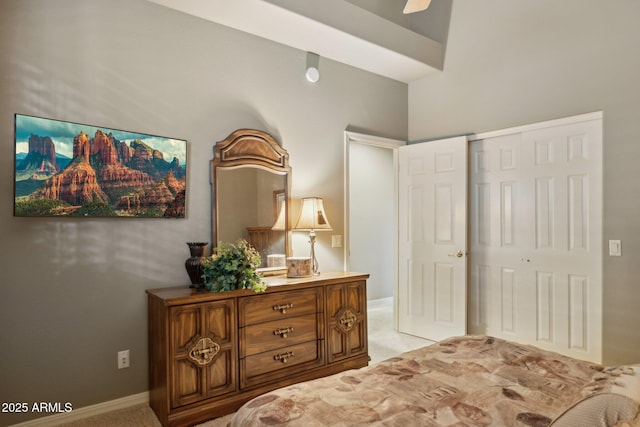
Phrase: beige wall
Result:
[372,217]
[72,291]
[516,62]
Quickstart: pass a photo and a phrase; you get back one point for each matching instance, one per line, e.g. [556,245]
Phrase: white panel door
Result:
[497,239]
[536,239]
[432,238]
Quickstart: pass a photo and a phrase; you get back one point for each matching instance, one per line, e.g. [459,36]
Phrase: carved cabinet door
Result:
[346,311]
[203,351]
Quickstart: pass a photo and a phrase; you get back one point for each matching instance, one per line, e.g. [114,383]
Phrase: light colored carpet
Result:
[136,416]
[384,342]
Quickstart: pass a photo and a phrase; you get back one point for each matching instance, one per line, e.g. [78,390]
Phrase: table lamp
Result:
[312,218]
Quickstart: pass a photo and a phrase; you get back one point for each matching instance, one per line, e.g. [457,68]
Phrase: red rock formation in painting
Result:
[118,176]
[113,173]
[156,196]
[124,152]
[176,208]
[104,149]
[81,146]
[147,159]
[174,184]
[133,178]
[41,158]
[76,184]
[43,146]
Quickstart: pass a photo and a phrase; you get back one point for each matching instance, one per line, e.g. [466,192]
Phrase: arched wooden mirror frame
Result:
[253,149]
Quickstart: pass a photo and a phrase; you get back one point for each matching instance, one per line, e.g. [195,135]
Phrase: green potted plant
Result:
[231,267]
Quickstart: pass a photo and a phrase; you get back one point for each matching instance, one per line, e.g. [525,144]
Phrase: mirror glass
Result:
[251,183]
[249,200]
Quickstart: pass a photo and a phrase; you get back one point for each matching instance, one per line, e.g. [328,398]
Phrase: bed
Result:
[462,381]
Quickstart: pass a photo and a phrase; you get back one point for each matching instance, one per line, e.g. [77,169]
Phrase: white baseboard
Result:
[382,302]
[88,411]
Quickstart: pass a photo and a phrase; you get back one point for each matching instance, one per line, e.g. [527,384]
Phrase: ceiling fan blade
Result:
[415,6]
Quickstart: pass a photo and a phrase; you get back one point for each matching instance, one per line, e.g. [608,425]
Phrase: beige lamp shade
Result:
[312,215]
[280,225]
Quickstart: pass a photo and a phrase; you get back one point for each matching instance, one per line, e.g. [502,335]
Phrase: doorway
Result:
[371,211]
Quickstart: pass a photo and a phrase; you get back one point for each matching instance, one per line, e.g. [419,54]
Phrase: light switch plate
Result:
[615,248]
[336,241]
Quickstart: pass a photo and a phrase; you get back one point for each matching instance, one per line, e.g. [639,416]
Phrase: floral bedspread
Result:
[464,381]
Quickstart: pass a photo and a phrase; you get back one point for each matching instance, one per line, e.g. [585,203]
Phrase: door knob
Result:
[456,254]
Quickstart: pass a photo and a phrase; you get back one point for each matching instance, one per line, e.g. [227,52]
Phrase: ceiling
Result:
[334,29]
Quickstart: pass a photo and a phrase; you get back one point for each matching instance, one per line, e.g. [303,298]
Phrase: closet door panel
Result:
[498,240]
[565,174]
[536,236]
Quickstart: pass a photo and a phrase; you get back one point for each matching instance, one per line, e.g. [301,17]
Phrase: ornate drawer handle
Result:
[283,332]
[282,308]
[347,325]
[203,351]
[283,357]
[347,321]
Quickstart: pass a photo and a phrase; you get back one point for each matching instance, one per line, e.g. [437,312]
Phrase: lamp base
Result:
[314,260]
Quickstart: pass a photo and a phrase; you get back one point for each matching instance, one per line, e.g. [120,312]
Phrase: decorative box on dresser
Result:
[211,352]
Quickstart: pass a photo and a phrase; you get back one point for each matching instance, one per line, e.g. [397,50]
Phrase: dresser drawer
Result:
[277,334]
[280,363]
[281,305]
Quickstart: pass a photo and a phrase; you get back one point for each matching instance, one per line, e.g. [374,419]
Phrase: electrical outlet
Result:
[123,359]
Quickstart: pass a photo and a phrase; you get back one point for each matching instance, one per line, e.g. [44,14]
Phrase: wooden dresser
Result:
[211,352]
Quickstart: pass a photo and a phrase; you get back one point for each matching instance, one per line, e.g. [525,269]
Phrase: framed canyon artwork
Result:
[76,170]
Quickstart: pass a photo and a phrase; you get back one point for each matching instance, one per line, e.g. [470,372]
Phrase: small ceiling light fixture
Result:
[415,6]
[312,74]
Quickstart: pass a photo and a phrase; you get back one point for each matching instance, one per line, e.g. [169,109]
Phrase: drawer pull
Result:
[203,351]
[347,321]
[283,332]
[283,357]
[282,308]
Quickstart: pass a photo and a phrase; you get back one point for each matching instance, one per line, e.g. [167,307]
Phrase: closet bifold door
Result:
[536,236]
[203,351]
